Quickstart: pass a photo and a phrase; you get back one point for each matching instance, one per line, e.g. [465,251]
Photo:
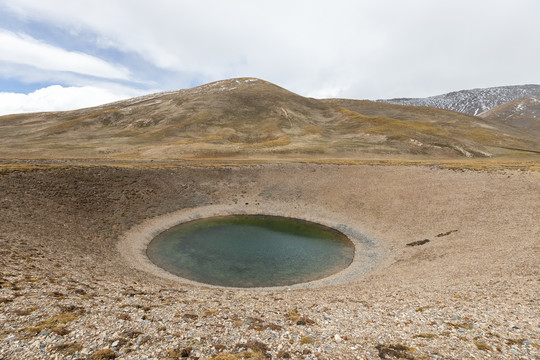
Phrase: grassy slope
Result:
[522,113]
[249,118]
[439,127]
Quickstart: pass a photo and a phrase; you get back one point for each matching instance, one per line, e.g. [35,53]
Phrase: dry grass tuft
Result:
[104,354]
[55,324]
[482,346]
[67,348]
[398,351]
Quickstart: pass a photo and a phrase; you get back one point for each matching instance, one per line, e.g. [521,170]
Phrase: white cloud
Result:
[24,50]
[56,98]
[326,93]
[356,48]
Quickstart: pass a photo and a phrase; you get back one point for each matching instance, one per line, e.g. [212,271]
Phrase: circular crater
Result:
[136,245]
[251,251]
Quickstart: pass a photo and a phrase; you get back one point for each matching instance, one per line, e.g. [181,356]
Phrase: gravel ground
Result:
[69,291]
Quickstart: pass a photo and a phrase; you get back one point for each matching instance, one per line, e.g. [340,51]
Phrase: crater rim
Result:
[133,244]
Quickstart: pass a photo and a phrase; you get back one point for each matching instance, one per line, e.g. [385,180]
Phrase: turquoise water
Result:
[251,251]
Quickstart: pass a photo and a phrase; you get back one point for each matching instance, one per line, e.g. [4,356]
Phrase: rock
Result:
[338,338]
[186,352]
[418,242]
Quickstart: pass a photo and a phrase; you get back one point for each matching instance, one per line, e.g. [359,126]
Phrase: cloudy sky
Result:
[65,54]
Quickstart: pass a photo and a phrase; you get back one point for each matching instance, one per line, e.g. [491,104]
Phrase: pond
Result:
[251,251]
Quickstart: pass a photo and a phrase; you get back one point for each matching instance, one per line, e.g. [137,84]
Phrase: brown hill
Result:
[522,113]
[249,118]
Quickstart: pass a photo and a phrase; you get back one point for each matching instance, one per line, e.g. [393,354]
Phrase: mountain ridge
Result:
[473,101]
[248,117]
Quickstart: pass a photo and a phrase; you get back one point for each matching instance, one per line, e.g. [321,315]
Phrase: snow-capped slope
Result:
[523,113]
[472,102]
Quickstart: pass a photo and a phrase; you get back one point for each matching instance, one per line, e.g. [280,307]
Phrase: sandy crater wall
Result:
[80,213]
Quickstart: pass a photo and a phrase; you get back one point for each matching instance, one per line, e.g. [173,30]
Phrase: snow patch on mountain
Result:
[472,102]
[524,113]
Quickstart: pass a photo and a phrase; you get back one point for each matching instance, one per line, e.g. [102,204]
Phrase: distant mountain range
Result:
[472,102]
[251,118]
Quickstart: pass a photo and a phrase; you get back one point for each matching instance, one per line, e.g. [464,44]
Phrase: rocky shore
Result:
[470,292]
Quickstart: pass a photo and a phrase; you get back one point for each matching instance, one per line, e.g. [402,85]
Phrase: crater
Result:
[240,247]
[251,251]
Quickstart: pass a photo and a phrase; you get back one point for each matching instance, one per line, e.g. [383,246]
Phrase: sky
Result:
[65,54]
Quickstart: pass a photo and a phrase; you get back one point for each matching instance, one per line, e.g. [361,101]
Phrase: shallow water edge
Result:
[133,244]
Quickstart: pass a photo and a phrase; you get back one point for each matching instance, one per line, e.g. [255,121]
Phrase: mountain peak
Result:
[230,84]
